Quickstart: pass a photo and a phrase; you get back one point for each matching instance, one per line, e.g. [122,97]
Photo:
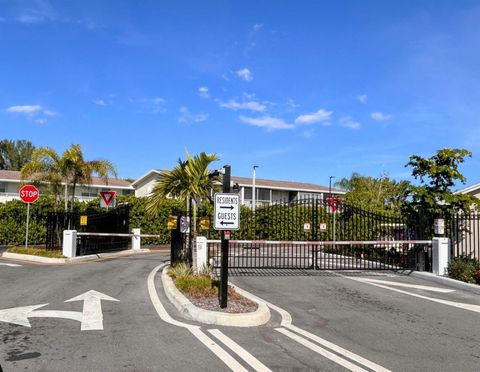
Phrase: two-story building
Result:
[10,183]
[266,191]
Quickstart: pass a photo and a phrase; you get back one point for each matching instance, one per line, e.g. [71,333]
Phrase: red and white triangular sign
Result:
[107,198]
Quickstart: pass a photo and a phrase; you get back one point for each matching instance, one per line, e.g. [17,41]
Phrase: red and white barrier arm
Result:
[118,234]
[323,243]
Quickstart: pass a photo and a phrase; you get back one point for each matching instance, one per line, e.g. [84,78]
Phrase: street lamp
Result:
[330,187]
[254,202]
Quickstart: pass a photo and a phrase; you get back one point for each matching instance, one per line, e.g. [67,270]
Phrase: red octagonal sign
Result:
[29,193]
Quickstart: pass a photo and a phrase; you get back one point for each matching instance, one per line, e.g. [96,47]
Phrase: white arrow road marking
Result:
[18,315]
[92,317]
[9,264]
[407,285]
[460,305]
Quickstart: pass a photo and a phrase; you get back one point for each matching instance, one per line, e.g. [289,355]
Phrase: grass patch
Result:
[37,252]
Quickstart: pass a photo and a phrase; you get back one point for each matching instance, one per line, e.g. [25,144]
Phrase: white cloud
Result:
[203,92]
[49,113]
[245,74]
[348,122]
[362,98]
[40,121]
[29,110]
[321,116]
[188,117]
[257,26]
[267,122]
[244,105]
[100,102]
[380,116]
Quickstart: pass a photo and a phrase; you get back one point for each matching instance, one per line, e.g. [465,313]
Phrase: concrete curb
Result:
[191,312]
[63,261]
[446,281]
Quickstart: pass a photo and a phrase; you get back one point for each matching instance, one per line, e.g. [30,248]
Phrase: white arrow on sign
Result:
[91,318]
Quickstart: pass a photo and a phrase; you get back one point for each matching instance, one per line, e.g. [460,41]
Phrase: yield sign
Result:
[107,198]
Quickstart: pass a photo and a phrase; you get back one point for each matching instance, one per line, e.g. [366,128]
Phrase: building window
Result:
[127,192]
[262,194]
[3,187]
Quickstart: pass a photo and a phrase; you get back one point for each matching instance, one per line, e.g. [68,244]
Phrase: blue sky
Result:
[303,89]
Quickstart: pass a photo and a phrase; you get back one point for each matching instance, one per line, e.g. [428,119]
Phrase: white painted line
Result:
[287,323]
[9,264]
[357,358]
[195,330]
[407,285]
[240,351]
[323,352]
[470,307]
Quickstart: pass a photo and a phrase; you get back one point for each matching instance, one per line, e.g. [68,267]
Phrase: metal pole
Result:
[254,191]
[223,290]
[28,218]
[330,187]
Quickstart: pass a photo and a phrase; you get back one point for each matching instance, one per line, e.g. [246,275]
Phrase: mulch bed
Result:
[235,304]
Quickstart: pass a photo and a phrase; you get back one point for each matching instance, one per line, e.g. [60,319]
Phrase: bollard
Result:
[440,255]
[69,243]
[201,251]
[136,239]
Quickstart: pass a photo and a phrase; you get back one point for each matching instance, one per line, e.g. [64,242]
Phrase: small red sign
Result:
[108,196]
[334,203]
[28,194]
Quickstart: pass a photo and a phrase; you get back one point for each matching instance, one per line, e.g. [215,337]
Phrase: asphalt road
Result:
[340,321]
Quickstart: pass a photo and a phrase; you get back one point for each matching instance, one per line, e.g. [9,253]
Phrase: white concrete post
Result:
[69,243]
[201,245]
[440,255]
[136,239]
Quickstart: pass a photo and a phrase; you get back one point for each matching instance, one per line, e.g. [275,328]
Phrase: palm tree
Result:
[187,181]
[47,167]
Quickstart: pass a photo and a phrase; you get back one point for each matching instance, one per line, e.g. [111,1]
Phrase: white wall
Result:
[145,187]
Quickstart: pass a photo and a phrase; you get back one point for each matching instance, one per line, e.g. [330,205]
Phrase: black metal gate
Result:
[325,235]
[113,221]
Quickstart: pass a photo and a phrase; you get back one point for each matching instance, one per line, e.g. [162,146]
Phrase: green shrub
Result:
[193,282]
[205,270]
[179,270]
[465,269]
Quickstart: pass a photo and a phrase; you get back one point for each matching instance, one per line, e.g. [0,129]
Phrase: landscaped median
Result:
[259,315]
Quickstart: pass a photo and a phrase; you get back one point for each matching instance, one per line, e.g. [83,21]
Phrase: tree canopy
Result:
[15,154]
[437,175]
[377,194]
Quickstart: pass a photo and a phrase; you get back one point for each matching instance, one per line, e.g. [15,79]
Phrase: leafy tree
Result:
[375,194]
[437,175]
[70,169]
[187,181]
[15,154]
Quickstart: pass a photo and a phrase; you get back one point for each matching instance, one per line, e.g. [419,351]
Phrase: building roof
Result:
[14,176]
[284,185]
[469,189]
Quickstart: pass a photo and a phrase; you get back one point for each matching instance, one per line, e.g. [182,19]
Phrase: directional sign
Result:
[28,193]
[91,318]
[227,212]
[107,199]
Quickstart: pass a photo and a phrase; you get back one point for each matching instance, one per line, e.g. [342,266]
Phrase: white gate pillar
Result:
[440,255]
[69,245]
[201,245]
[136,239]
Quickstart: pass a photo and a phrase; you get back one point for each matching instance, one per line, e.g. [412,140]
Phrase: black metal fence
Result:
[113,221]
[464,233]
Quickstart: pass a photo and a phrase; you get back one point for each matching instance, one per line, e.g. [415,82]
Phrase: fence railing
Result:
[464,233]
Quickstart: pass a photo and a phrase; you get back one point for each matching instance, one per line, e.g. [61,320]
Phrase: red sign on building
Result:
[29,194]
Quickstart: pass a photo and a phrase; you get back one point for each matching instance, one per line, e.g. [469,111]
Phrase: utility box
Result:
[70,243]
[440,256]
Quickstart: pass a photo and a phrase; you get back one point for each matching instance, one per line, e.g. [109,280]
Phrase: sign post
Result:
[29,194]
[226,218]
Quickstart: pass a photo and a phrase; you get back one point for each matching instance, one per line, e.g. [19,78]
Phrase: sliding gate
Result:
[324,235]
[344,255]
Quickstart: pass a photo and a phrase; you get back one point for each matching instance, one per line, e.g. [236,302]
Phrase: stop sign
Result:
[28,193]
